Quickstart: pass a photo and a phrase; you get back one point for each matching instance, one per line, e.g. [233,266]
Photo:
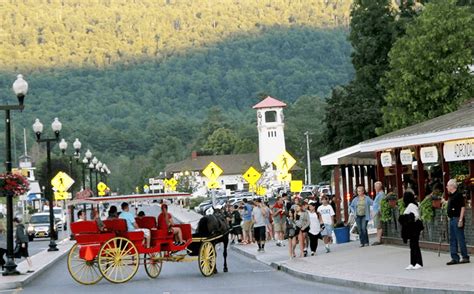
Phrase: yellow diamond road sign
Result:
[284,162]
[213,185]
[62,181]
[252,175]
[172,182]
[212,171]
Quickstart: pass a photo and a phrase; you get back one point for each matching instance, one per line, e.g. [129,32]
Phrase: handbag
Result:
[16,250]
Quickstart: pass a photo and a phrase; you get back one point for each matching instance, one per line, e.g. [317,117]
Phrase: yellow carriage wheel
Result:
[207,259]
[153,263]
[118,260]
[82,271]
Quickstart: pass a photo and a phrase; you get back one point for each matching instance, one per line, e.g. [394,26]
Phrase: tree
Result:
[429,73]
[221,141]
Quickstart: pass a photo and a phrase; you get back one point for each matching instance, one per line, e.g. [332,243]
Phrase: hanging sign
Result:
[429,154]
[459,150]
[405,157]
[386,159]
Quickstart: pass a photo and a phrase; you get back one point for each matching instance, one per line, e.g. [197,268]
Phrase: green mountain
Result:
[135,81]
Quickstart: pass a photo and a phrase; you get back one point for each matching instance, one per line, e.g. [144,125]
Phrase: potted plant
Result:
[401,206]
[436,200]
[13,185]
[392,199]
[385,211]
[426,210]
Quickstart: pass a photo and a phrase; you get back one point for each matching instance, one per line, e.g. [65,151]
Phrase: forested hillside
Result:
[135,80]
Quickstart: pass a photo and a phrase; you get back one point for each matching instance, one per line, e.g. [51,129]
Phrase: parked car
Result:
[59,213]
[325,189]
[38,226]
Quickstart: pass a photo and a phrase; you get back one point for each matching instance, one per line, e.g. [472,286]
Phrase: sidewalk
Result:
[378,268]
[42,261]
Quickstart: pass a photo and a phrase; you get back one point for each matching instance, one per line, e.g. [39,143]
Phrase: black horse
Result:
[214,225]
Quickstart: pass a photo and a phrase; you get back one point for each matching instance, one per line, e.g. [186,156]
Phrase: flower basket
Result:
[13,185]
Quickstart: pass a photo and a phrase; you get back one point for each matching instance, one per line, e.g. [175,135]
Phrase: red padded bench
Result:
[87,232]
[146,222]
[119,226]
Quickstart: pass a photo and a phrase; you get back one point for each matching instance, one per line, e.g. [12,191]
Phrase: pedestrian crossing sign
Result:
[284,177]
[212,171]
[62,181]
[213,185]
[284,162]
[296,186]
[61,195]
[252,175]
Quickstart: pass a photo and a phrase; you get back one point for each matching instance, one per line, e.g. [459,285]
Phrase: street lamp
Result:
[56,126]
[20,88]
[77,149]
[85,161]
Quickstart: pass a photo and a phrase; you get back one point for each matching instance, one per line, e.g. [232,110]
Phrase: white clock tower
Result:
[271,134]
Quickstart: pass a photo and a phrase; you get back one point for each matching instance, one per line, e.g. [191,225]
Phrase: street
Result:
[245,276]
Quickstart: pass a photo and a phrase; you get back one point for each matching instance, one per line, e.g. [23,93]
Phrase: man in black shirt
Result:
[456,209]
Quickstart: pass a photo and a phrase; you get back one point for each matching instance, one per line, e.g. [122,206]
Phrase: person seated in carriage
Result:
[165,221]
[132,225]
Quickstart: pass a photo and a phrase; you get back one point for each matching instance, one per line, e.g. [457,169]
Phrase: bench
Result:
[119,226]
[87,232]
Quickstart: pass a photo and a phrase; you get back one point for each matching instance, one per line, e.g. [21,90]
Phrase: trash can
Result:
[342,234]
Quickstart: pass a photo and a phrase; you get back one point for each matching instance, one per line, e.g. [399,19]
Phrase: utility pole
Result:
[308,158]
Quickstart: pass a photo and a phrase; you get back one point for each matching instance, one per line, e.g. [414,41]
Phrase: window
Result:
[270,116]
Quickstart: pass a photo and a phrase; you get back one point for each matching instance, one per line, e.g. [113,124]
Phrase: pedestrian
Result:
[377,212]
[326,218]
[279,220]
[302,222]
[247,225]
[235,224]
[360,206]
[291,232]
[21,246]
[411,229]
[268,222]
[456,210]
[259,214]
[314,227]
[286,203]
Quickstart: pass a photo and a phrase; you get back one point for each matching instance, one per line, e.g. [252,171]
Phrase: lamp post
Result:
[77,149]
[93,162]
[20,87]
[38,129]
[85,163]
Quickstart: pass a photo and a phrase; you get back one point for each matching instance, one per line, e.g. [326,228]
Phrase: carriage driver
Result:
[132,225]
[165,220]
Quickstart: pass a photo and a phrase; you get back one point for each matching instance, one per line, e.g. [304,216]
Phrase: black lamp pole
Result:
[20,87]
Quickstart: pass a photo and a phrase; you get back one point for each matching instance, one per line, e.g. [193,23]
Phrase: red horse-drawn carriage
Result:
[115,253]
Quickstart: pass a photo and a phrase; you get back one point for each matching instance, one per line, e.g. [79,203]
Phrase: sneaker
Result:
[305,253]
[278,244]
[465,260]
[313,253]
[328,250]
[417,266]
[262,250]
[409,267]
[259,250]
[452,262]
[376,243]
[361,245]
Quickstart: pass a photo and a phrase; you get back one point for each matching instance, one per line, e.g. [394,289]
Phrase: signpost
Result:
[61,182]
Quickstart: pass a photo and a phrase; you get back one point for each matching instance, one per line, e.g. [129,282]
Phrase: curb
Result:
[24,279]
[347,283]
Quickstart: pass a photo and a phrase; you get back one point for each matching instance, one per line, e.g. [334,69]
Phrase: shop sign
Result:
[405,157]
[429,154]
[459,150]
[386,159]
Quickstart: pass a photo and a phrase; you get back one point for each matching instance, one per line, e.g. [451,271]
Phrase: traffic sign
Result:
[252,175]
[261,190]
[296,186]
[284,177]
[284,162]
[101,187]
[146,188]
[213,185]
[212,171]
[61,195]
[62,181]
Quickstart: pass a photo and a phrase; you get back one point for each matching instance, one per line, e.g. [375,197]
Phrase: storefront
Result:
[417,157]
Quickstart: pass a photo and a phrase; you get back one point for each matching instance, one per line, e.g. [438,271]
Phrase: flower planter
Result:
[436,203]
[392,203]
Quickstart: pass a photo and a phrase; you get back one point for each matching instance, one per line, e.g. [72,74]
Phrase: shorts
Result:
[146,232]
[259,233]
[377,222]
[236,230]
[327,230]
[247,226]
[23,252]
[279,227]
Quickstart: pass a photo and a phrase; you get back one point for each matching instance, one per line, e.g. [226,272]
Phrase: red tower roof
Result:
[269,102]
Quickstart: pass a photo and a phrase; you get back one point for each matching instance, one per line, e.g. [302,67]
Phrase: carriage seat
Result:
[119,226]
[147,222]
[87,232]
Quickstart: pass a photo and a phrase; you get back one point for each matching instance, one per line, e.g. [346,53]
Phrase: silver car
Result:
[38,227]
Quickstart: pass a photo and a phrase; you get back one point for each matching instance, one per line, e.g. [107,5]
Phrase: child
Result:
[326,218]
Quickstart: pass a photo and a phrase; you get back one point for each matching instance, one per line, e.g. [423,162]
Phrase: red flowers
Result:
[14,184]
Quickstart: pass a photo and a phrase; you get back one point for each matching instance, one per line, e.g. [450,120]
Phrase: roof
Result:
[130,198]
[269,102]
[231,164]
[455,125]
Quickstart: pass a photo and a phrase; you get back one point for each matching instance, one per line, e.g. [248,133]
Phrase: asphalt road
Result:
[245,276]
